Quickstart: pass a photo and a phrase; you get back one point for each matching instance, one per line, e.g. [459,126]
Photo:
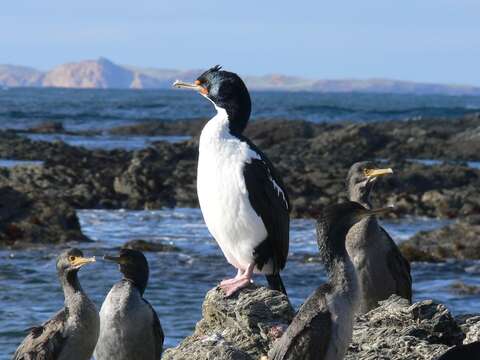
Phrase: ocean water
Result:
[103,109]
[30,293]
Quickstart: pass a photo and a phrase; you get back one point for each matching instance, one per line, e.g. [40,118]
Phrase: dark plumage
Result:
[463,352]
[242,197]
[129,326]
[72,332]
[381,268]
[322,328]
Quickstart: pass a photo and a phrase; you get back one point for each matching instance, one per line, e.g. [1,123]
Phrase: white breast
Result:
[223,195]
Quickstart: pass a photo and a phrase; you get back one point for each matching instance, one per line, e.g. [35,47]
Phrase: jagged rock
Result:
[149,246]
[239,328]
[245,327]
[460,240]
[397,330]
[307,155]
[26,220]
[471,327]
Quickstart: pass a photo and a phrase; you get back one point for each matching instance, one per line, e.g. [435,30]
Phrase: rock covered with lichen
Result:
[397,330]
[242,327]
[245,326]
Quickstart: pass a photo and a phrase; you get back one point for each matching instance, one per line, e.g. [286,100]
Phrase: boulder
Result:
[246,325]
[459,240]
[423,330]
[239,328]
[27,220]
[149,246]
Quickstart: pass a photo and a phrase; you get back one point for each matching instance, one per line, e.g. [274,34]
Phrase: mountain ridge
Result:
[104,74]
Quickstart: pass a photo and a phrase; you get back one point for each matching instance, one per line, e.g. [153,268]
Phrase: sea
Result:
[29,289]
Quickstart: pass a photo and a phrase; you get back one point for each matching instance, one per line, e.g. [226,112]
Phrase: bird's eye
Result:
[366,172]
[71,258]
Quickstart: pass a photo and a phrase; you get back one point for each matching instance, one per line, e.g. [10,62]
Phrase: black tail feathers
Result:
[275,282]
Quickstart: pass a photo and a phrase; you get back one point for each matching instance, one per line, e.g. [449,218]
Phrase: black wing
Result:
[309,334]
[400,269]
[44,342]
[157,332]
[270,201]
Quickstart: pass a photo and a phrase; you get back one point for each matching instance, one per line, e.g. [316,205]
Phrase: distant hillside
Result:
[104,74]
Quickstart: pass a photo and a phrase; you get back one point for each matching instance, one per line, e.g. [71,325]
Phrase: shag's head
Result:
[361,179]
[227,91]
[334,224]
[134,267]
[70,261]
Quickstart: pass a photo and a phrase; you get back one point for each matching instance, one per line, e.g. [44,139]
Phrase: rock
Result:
[308,156]
[471,328]
[241,327]
[423,330]
[149,246]
[48,127]
[245,327]
[461,288]
[460,240]
[27,220]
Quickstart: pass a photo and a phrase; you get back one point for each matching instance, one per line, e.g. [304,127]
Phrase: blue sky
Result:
[422,40]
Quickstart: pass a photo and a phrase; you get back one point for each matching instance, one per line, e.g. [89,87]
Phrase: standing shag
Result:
[73,332]
[322,328]
[242,198]
[381,268]
[129,326]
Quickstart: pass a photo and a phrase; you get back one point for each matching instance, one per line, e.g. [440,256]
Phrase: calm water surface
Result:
[30,294]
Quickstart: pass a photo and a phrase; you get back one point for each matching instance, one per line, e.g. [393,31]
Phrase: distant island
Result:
[104,74]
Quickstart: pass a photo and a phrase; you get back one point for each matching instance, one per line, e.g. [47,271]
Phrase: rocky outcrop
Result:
[149,246]
[100,73]
[307,155]
[12,76]
[245,327]
[397,330]
[28,220]
[239,328]
[460,240]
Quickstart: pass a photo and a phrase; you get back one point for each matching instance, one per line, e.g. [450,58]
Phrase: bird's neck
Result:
[232,117]
[342,276]
[72,289]
[361,198]
[334,256]
[139,283]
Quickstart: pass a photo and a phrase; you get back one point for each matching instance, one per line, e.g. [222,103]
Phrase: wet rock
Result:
[241,327]
[423,330]
[461,288]
[149,246]
[28,220]
[312,158]
[167,127]
[460,240]
[48,127]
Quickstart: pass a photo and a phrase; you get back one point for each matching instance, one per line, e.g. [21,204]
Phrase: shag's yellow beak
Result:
[79,261]
[374,173]
[190,86]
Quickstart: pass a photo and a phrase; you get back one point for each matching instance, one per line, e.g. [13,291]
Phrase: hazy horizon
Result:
[432,41]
